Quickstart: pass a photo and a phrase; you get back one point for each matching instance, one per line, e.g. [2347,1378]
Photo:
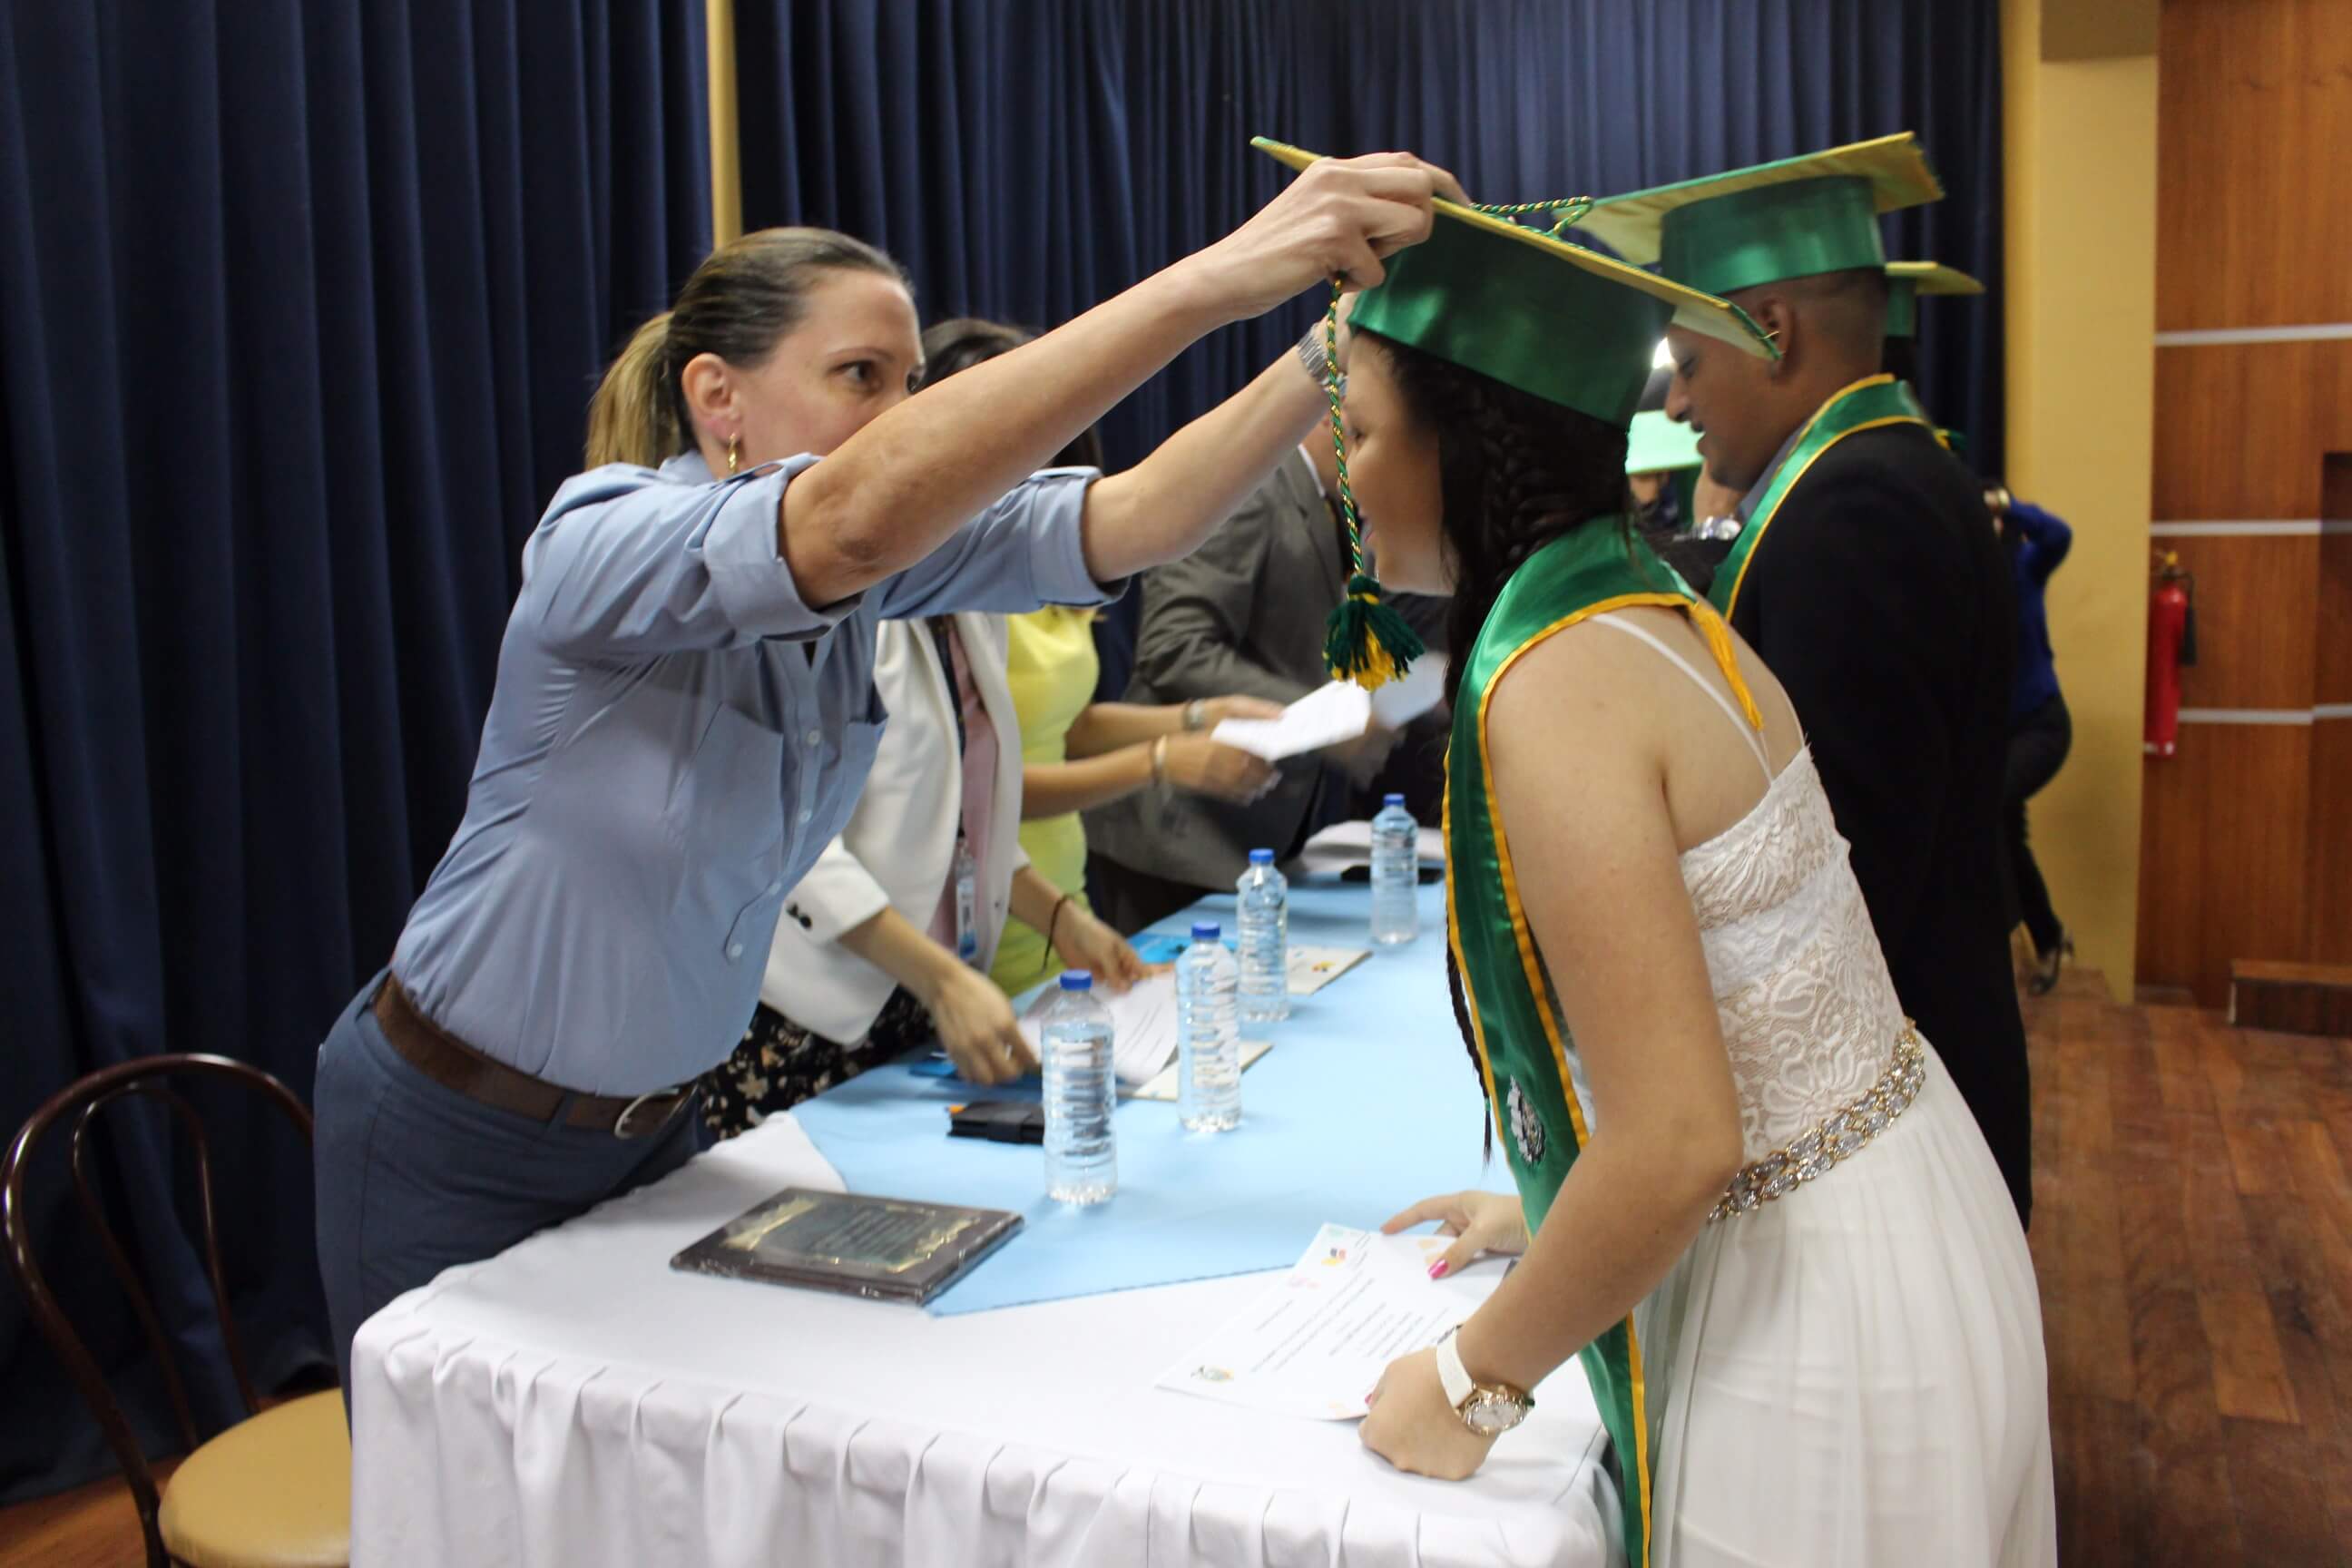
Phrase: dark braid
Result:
[1515,473]
[1469,1036]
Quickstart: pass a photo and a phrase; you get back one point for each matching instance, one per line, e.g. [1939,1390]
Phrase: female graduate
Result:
[1749,1199]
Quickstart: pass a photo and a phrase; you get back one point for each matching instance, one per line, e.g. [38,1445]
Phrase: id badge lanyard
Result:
[966,869]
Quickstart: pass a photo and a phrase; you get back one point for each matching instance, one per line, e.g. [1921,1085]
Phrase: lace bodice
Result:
[1808,1011]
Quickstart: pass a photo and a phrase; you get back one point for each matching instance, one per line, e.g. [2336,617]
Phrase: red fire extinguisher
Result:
[2172,647]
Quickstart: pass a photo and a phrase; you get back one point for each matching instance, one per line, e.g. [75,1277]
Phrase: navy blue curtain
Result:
[1026,158]
[300,305]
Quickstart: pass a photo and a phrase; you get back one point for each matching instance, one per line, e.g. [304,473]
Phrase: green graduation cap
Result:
[1792,218]
[1555,319]
[1907,281]
[1657,445]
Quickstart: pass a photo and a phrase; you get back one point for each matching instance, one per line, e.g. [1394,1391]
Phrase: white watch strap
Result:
[1451,1373]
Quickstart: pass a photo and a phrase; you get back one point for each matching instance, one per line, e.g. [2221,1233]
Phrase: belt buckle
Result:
[621,1128]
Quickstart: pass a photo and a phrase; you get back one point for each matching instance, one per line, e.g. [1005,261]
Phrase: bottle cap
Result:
[1077,980]
[1391,800]
[1261,856]
[1206,931]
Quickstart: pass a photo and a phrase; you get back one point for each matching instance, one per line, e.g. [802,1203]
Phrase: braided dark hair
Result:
[1515,473]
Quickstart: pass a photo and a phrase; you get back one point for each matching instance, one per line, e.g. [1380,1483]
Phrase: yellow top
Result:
[1052,669]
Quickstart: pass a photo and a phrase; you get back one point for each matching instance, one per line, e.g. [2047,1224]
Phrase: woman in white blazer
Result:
[865,959]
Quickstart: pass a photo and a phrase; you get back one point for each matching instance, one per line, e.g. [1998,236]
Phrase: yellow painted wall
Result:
[2080,296]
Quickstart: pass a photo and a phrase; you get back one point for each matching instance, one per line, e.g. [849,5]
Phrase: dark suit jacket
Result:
[1244,614]
[1881,598]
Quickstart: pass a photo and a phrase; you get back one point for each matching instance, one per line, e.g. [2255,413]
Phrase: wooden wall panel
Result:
[2331,841]
[2254,99]
[2331,740]
[2243,835]
[2332,678]
[2223,854]
[2335,487]
[2256,601]
[2241,428]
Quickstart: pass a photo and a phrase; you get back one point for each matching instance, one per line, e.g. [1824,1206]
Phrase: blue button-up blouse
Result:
[673,737]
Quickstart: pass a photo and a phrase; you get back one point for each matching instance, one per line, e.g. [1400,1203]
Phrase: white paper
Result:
[1346,844]
[1318,1341]
[1339,711]
[1422,688]
[1164,1087]
[1309,969]
[1143,1025]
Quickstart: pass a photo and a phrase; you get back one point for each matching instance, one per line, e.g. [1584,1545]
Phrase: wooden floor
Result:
[90,1527]
[2193,1234]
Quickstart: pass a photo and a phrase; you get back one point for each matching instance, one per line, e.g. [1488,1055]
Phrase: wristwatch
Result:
[1314,355]
[1489,1409]
[1196,715]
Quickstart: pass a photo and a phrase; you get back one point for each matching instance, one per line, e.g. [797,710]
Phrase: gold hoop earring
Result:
[734,455]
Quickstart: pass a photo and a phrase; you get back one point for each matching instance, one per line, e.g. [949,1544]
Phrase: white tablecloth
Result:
[575,1401]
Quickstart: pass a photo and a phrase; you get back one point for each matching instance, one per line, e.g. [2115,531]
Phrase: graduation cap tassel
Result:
[1366,641]
[1565,213]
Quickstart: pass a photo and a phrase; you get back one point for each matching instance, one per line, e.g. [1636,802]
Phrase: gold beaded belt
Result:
[1839,1137]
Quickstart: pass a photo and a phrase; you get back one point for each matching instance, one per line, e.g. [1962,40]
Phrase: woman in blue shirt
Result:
[685,708]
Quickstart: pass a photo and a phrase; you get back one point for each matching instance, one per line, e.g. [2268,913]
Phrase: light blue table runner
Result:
[1367,1103]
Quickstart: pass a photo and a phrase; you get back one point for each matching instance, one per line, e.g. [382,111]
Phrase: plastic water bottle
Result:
[1264,898]
[1396,874]
[1081,1157]
[1209,1052]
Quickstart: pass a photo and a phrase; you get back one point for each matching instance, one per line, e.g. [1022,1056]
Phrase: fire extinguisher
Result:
[2171,648]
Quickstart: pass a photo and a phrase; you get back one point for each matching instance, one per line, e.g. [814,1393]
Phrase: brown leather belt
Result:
[453,1064]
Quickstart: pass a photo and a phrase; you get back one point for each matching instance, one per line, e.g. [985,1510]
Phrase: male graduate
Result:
[1864,572]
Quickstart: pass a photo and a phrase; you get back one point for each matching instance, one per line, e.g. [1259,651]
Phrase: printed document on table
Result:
[1143,1026]
[1346,844]
[1310,968]
[1165,1086]
[1316,1341]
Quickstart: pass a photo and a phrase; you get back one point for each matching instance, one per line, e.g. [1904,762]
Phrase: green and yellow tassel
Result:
[1366,640]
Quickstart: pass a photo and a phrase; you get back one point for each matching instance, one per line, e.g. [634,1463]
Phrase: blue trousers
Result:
[414,1178]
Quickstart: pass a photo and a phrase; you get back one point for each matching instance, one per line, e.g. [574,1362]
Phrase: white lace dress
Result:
[1854,1371]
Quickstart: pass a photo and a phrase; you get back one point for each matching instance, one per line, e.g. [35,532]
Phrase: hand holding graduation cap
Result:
[1338,219]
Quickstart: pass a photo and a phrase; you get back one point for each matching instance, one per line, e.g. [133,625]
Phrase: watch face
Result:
[1490,1415]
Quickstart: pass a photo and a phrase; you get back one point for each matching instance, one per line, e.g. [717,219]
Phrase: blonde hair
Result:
[746,295]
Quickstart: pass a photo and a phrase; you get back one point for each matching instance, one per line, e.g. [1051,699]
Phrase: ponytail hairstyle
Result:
[741,300]
[965,341]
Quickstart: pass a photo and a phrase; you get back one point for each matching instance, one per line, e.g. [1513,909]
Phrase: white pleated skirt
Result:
[1853,1375]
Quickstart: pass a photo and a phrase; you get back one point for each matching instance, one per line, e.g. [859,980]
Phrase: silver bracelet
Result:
[1314,355]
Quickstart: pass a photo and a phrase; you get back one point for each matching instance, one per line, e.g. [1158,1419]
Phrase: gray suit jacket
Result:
[1244,614]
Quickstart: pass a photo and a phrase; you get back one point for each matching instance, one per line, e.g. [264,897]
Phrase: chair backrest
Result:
[80,1103]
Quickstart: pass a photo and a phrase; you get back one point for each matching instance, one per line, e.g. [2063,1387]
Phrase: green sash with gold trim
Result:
[1864,406]
[1523,1046]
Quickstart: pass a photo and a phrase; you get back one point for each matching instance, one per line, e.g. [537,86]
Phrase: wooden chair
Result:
[272,1492]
